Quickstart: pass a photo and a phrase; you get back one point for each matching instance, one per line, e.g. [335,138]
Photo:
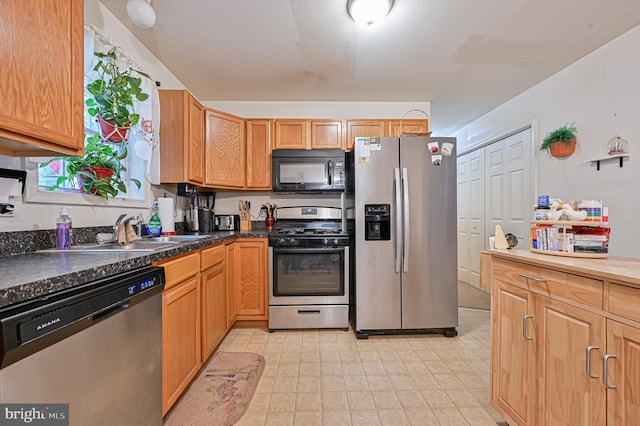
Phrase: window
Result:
[38,189]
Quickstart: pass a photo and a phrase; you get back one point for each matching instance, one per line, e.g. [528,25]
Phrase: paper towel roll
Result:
[166,212]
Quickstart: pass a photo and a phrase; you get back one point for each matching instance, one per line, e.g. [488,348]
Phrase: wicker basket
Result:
[405,134]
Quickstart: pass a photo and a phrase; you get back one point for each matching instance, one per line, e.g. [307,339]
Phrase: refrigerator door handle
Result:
[398,206]
[405,199]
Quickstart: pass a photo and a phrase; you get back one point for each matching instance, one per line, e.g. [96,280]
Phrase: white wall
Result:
[599,93]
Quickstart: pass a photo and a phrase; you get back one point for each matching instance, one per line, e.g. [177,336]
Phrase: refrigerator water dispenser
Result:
[377,218]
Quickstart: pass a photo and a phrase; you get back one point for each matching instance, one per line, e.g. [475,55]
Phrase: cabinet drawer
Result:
[178,270]
[550,283]
[624,301]
[212,256]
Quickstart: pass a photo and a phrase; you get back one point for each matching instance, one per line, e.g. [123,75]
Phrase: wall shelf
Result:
[621,158]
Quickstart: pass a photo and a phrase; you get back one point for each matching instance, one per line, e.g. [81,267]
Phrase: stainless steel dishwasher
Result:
[97,347]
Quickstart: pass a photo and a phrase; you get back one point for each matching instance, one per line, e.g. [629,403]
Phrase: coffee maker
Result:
[201,212]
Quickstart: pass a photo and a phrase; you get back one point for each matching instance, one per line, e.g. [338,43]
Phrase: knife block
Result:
[245,225]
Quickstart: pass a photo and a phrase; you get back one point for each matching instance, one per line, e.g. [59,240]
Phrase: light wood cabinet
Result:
[42,103]
[181,358]
[251,279]
[258,154]
[308,134]
[181,338]
[291,134]
[513,384]
[565,339]
[181,138]
[231,257]
[410,125]
[363,128]
[213,293]
[567,393]
[326,134]
[623,401]
[225,156]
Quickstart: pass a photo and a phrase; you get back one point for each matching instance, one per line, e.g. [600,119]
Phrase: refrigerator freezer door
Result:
[378,303]
[429,287]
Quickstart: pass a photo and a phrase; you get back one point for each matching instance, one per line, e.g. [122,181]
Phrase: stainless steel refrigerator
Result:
[401,204]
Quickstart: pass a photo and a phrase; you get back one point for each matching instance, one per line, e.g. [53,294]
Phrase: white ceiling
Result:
[464,56]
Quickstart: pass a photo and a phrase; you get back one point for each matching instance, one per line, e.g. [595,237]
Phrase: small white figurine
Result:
[559,210]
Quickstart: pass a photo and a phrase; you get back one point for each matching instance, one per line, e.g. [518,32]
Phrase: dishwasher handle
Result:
[110,311]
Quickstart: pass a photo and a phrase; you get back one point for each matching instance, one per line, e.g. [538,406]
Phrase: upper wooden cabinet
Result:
[291,134]
[258,154]
[411,125]
[42,104]
[181,138]
[224,150]
[363,128]
[308,134]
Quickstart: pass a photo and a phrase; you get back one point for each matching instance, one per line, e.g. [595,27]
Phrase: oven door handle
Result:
[309,250]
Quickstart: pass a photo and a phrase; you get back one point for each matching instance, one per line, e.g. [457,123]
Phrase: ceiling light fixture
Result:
[368,13]
[141,13]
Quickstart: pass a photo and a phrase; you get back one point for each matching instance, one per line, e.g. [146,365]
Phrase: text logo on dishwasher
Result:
[48,323]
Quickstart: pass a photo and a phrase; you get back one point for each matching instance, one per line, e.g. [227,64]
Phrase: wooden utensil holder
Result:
[245,225]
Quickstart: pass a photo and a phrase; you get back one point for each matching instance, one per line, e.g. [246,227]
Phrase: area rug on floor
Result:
[221,394]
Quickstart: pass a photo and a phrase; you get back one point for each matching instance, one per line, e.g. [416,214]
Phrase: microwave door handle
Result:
[330,171]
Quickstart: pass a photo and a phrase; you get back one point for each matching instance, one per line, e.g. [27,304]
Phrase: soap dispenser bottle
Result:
[154,226]
[63,231]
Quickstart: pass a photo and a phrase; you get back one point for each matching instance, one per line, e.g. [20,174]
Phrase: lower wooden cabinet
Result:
[251,278]
[205,292]
[213,294]
[231,277]
[565,346]
[513,382]
[181,358]
[563,333]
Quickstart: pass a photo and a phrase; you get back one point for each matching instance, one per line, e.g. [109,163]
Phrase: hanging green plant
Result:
[560,142]
[113,94]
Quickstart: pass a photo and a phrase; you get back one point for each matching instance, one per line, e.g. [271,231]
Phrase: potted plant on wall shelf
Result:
[112,97]
[99,171]
[560,142]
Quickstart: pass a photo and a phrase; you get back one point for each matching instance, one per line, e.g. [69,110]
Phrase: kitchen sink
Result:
[146,244]
[177,238]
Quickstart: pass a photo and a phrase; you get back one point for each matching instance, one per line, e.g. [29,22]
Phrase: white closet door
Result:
[509,186]
[471,230]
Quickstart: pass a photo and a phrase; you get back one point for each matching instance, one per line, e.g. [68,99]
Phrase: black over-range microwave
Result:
[298,170]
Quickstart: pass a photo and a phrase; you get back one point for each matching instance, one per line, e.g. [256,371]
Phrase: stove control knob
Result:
[292,241]
[325,241]
[282,242]
[335,241]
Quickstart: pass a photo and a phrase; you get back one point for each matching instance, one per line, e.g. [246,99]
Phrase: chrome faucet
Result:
[136,221]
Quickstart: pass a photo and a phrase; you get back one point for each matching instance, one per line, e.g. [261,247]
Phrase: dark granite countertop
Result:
[30,275]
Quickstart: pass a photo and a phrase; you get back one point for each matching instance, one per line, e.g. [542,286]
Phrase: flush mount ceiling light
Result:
[141,13]
[368,13]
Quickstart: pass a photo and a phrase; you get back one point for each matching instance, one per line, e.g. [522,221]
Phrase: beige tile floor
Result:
[328,377]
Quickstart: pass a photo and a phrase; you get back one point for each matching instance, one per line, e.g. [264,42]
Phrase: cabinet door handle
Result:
[529,277]
[604,371]
[589,349]
[524,326]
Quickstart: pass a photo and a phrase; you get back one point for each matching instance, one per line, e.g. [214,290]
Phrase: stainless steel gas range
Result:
[309,269]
